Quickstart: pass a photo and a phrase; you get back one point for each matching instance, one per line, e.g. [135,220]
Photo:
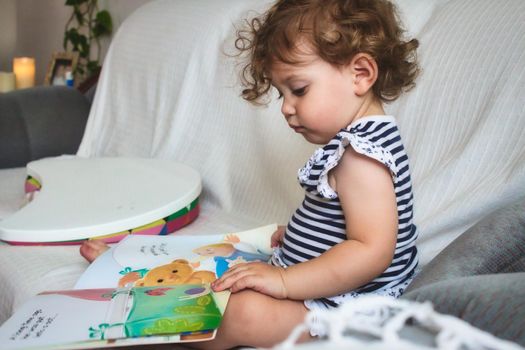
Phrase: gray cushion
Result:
[494,303]
[496,244]
[40,122]
[480,276]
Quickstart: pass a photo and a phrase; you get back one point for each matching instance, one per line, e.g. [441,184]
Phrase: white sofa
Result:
[169,89]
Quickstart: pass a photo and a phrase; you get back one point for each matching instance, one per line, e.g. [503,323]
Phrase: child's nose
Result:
[287,109]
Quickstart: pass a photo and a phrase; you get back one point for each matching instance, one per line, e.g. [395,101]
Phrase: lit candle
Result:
[24,69]
[7,81]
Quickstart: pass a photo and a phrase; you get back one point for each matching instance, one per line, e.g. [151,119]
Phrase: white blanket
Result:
[168,90]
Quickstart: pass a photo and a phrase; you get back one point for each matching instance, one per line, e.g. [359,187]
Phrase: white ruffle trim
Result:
[359,144]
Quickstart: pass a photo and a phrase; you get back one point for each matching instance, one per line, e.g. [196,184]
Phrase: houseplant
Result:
[82,34]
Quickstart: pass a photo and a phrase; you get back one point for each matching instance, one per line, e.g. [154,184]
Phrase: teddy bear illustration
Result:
[177,272]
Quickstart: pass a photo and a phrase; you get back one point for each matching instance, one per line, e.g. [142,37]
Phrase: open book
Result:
[144,290]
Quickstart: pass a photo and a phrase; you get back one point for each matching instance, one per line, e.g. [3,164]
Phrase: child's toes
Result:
[90,250]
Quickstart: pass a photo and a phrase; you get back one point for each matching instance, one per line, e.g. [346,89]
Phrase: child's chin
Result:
[316,140]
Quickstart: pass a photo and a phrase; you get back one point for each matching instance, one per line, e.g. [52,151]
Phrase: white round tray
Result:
[81,198]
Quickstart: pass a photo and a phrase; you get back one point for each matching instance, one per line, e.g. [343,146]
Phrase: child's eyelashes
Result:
[300,91]
[296,92]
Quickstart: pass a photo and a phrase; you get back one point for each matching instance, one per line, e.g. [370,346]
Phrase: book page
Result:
[140,260]
[55,318]
[107,317]
[135,256]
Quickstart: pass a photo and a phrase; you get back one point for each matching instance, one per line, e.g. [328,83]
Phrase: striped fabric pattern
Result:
[319,224]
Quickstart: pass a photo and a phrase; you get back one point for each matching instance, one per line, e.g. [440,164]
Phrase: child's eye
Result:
[280,94]
[299,92]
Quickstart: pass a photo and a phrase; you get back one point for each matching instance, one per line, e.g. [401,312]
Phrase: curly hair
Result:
[335,30]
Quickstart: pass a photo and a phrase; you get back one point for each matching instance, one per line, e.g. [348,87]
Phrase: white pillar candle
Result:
[7,81]
[24,69]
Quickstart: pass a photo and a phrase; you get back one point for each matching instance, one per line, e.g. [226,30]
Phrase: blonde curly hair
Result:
[336,30]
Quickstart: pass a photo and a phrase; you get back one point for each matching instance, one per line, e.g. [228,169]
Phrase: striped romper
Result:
[319,223]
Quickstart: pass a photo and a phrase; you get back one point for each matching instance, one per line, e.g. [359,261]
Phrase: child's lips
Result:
[297,128]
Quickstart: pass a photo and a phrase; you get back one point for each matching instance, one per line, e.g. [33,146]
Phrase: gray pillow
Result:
[496,244]
[480,276]
[494,303]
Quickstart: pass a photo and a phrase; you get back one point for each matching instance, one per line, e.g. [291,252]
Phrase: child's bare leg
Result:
[91,249]
[257,320]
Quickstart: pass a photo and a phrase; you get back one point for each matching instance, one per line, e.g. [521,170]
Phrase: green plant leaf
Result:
[71,36]
[103,24]
[83,46]
[75,2]
[78,15]
[92,66]
[82,30]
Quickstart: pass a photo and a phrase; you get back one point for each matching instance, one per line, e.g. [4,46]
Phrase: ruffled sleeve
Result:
[326,158]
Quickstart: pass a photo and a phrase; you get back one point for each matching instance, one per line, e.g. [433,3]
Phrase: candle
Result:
[24,69]
[7,81]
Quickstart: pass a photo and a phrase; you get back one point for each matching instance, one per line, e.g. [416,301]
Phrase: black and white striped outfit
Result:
[319,223]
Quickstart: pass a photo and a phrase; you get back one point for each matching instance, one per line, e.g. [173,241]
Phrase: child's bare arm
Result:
[367,196]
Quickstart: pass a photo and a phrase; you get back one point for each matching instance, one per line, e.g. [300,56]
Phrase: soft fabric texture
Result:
[11,190]
[464,123]
[480,276]
[494,245]
[493,302]
[169,90]
[318,327]
[40,122]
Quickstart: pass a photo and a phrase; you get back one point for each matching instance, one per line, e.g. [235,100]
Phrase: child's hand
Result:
[277,237]
[261,277]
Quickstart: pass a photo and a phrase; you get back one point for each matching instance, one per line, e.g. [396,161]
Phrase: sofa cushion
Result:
[480,276]
[493,303]
[494,245]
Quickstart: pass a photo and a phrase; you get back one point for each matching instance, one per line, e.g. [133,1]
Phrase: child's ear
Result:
[365,71]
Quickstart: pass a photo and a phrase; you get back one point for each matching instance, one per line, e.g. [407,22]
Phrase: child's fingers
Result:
[230,277]
[274,242]
[248,281]
[234,271]
[258,276]
[244,279]
[277,236]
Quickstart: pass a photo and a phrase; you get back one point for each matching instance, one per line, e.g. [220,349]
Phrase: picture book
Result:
[143,290]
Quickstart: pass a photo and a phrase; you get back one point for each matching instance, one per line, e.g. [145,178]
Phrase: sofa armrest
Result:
[40,122]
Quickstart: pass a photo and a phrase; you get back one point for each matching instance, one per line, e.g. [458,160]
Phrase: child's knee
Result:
[242,308]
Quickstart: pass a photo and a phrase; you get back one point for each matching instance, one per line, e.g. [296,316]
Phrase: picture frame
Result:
[60,63]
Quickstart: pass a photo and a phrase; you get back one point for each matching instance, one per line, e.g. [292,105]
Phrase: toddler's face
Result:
[318,98]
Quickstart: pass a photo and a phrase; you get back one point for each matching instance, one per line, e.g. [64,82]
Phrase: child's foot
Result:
[91,249]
